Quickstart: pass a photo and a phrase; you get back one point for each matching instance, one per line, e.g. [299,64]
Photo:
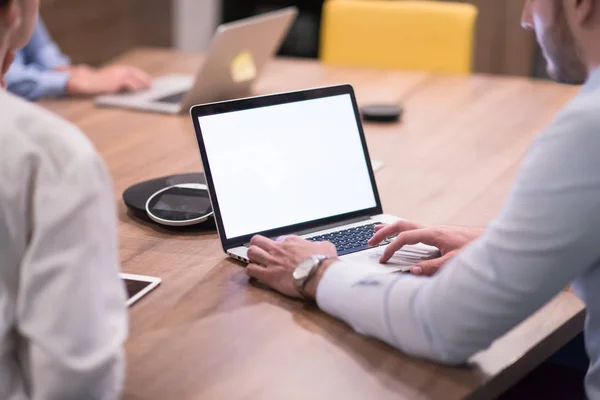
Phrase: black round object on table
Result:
[382,113]
[136,197]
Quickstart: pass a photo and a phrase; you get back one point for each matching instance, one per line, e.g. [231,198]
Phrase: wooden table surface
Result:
[207,333]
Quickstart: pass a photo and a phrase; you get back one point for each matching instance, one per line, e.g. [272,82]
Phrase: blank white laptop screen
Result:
[286,164]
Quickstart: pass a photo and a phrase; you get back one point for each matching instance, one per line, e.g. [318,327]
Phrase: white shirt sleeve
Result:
[71,309]
[546,235]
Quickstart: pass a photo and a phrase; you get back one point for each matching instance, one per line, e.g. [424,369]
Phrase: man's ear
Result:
[583,10]
[10,16]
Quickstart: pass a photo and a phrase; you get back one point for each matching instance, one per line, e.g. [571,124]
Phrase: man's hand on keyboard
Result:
[273,262]
[448,239]
[89,81]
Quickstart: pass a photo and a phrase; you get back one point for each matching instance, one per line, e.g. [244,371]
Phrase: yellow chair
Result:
[424,35]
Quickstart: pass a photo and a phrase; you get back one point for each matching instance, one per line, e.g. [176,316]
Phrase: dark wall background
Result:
[93,31]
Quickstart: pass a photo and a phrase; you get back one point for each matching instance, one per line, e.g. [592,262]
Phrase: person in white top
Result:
[546,236]
[63,318]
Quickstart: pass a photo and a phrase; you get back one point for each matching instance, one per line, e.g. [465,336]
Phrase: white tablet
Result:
[138,286]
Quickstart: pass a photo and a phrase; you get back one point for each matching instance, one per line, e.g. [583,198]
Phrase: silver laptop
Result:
[236,57]
[294,163]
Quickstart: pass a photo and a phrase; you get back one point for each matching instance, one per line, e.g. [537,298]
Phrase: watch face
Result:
[303,269]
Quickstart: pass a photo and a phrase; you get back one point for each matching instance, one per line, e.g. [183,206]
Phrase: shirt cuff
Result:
[54,84]
[378,303]
[357,294]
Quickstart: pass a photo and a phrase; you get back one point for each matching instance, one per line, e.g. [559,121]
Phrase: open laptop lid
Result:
[285,163]
[237,56]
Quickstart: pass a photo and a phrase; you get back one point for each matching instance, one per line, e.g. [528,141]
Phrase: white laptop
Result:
[236,57]
[294,163]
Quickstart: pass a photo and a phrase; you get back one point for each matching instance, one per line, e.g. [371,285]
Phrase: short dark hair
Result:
[4,3]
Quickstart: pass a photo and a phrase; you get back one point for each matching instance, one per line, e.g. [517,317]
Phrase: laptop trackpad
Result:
[401,261]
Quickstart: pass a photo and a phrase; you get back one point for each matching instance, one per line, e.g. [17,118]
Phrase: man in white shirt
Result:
[547,235]
[62,305]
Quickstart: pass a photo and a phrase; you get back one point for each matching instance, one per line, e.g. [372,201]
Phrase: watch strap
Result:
[301,283]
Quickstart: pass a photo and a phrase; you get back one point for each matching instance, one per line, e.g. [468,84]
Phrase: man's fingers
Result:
[259,256]
[126,86]
[141,76]
[431,267]
[289,238]
[264,243]
[118,84]
[133,84]
[281,239]
[425,236]
[259,272]
[379,227]
[383,232]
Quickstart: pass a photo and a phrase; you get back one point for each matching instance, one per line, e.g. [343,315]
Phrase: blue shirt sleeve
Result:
[32,75]
[32,81]
[43,51]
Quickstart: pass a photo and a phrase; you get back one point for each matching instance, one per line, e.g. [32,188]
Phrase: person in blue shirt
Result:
[40,69]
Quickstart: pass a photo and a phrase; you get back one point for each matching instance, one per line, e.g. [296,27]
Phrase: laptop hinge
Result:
[326,227]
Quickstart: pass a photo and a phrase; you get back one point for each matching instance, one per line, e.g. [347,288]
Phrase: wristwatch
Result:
[305,270]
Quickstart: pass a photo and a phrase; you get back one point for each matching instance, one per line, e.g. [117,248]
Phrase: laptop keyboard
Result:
[173,98]
[349,240]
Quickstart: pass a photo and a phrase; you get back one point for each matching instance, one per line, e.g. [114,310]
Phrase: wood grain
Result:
[92,31]
[207,333]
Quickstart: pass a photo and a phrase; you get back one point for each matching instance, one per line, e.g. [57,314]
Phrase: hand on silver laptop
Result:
[89,81]
[448,239]
[273,262]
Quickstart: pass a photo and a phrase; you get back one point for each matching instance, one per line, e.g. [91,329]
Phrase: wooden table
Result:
[207,333]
